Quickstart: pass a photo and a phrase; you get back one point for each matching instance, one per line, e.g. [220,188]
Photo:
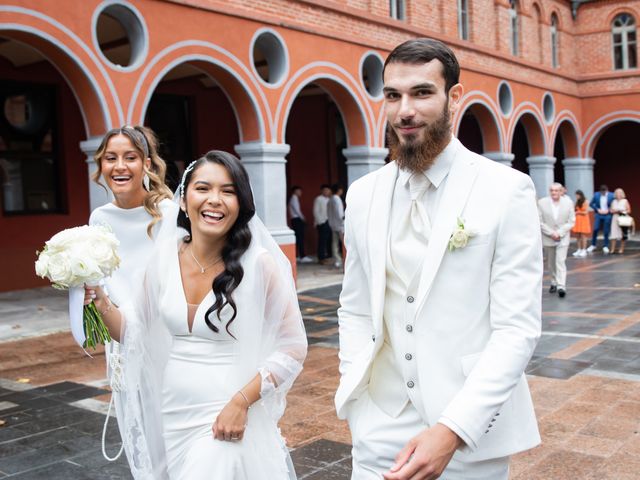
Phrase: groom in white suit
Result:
[441,299]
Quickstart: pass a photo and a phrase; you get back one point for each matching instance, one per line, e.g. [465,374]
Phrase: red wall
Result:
[22,235]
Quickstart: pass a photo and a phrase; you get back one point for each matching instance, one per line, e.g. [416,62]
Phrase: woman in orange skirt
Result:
[582,227]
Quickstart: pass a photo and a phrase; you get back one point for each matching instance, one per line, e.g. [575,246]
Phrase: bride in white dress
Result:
[214,341]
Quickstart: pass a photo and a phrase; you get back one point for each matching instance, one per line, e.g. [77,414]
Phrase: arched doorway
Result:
[478,129]
[191,114]
[317,136]
[43,172]
[527,141]
[324,119]
[565,145]
[617,162]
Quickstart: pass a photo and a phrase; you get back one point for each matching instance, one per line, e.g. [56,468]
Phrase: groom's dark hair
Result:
[423,50]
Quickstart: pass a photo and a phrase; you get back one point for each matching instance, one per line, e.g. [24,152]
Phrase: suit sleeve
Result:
[546,229]
[571,220]
[354,314]
[593,204]
[515,291]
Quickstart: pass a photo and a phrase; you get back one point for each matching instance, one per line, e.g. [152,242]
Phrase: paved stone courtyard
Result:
[584,376]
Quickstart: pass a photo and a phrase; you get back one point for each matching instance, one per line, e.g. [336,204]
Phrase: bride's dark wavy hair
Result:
[238,238]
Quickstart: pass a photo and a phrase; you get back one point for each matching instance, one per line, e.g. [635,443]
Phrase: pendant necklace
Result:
[203,269]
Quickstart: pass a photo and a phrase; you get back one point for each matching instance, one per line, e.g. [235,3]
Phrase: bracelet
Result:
[245,398]
[108,309]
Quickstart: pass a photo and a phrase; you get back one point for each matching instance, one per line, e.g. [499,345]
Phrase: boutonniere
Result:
[460,236]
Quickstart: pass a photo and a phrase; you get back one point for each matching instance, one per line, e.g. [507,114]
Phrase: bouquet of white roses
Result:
[73,258]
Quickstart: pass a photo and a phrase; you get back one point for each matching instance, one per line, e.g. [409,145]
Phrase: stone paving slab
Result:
[584,378]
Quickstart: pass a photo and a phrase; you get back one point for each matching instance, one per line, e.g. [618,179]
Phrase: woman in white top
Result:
[619,206]
[128,162]
[214,342]
[141,213]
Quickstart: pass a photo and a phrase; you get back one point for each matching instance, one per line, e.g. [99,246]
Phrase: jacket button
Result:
[408,356]
[409,328]
[373,338]
[410,384]
[487,431]
[410,299]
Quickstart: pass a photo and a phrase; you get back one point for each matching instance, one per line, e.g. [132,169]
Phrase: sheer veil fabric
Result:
[270,340]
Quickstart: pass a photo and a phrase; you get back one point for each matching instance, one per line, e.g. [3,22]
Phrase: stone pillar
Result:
[504,158]
[578,175]
[98,196]
[362,159]
[265,164]
[541,172]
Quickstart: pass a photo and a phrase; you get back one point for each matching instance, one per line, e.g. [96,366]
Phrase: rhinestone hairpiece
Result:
[184,177]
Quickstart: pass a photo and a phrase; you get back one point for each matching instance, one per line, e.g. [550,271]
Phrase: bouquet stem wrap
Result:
[87,326]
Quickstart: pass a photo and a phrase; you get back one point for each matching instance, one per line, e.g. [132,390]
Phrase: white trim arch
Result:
[82,45]
[597,128]
[517,114]
[283,110]
[478,101]
[56,43]
[242,81]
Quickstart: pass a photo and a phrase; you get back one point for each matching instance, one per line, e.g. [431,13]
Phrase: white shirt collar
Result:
[440,168]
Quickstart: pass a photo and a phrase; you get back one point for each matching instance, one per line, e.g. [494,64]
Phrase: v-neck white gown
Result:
[196,387]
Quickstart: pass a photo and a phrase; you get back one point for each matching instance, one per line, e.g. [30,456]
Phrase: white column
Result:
[504,158]
[578,175]
[541,172]
[362,159]
[265,164]
[98,196]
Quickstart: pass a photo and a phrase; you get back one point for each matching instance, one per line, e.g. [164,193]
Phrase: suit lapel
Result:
[457,189]
[377,238]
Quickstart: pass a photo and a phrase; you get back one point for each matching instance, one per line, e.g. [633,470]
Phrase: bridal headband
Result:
[184,177]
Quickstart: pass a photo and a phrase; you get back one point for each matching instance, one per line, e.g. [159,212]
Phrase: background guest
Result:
[619,207]
[601,203]
[335,212]
[582,227]
[321,222]
[557,216]
[298,223]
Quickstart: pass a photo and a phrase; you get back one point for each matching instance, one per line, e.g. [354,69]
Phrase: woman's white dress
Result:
[189,376]
[622,205]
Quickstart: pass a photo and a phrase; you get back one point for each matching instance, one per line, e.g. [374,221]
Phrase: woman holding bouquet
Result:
[216,340]
[142,210]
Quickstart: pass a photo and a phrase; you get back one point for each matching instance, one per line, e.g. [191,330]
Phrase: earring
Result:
[145,181]
[185,213]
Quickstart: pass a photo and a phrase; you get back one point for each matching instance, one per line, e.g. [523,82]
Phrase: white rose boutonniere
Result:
[460,236]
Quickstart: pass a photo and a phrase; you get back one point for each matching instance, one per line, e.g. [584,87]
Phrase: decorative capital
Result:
[262,152]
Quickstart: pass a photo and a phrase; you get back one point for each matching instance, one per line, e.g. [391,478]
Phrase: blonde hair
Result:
[615,193]
[145,142]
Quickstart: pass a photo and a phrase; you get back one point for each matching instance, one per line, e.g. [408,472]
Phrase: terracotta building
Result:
[294,88]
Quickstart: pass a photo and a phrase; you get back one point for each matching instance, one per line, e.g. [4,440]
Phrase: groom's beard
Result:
[418,155]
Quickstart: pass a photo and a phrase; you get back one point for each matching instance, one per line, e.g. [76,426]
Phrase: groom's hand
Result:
[426,455]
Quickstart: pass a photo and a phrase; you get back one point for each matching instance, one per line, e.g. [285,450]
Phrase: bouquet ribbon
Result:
[76,314]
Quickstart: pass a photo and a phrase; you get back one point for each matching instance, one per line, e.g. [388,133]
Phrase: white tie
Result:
[409,243]
[418,185]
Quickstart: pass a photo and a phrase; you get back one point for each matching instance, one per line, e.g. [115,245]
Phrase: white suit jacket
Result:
[479,311]
[563,224]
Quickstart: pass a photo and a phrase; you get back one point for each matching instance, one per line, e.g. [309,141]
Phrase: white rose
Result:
[60,269]
[42,265]
[104,255]
[85,270]
[459,238]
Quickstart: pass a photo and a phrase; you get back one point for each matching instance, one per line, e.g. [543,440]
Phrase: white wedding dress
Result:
[184,377]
